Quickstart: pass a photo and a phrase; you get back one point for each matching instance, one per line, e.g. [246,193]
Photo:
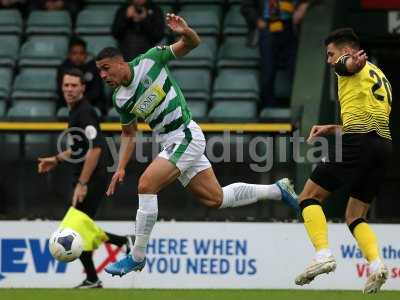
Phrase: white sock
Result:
[240,194]
[146,217]
[374,265]
[323,253]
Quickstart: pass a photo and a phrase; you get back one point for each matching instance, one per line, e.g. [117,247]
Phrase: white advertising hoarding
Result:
[198,255]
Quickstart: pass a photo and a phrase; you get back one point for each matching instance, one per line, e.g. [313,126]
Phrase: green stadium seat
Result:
[282,85]
[203,21]
[96,43]
[102,2]
[35,84]
[166,8]
[199,110]
[235,54]
[10,21]
[112,115]
[195,84]
[2,109]
[234,23]
[203,2]
[43,51]
[31,110]
[6,76]
[233,111]
[211,9]
[232,84]
[49,22]
[94,23]
[201,57]
[271,114]
[63,113]
[9,48]
[111,8]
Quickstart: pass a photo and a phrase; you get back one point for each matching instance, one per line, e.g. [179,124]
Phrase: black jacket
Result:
[137,37]
[94,84]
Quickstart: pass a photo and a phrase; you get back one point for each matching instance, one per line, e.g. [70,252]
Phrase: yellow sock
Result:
[367,241]
[315,223]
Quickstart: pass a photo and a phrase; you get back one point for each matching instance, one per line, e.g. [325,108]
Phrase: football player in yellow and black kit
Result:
[365,98]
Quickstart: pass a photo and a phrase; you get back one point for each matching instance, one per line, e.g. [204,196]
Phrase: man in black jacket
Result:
[138,26]
[275,20]
[78,58]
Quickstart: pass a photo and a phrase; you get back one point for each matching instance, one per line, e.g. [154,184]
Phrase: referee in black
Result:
[89,155]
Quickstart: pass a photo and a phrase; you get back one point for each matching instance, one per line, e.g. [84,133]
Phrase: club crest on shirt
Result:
[146,81]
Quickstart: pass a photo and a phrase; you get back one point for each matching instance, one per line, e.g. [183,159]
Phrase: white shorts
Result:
[185,149]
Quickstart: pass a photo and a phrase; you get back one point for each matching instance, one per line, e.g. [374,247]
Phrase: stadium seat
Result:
[112,9]
[282,85]
[35,84]
[201,57]
[234,23]
[271,114]
[63,113]
[49,22]
[31,110]
[101,2]
[203,21]
[198,109]
[2,109]
[9,48]
[232,84]
[235,54]
[43,51]
[94,23]
[6,76]
[195,84]
[112,115]
[233,111]
[203,2]
[96,43]
[10,21]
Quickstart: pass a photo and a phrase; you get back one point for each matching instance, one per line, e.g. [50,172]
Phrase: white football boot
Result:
[323,265]
[376,279]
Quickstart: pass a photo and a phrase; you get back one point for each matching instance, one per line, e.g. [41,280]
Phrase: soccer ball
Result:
[65,245]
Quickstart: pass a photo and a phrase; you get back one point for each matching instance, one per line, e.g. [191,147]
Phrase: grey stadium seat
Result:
[199,110]
[6,75]
[31,110]
[94,23]
[96,43]
[204,22]
[234,23]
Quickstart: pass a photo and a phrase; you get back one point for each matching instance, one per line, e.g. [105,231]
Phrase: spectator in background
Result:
[15,4]
[138,26]
[78,58]
[275,21]
[73,6]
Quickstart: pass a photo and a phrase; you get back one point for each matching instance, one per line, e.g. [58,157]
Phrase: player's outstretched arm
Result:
[189,38]
[125,152]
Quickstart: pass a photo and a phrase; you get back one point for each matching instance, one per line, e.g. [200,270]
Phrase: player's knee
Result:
[313,194]
[351,216]
[145,186]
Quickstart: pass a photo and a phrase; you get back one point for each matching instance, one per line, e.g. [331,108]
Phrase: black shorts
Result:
[97,188]
[365,158]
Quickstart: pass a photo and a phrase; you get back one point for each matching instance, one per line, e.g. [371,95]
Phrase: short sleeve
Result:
[89,122]
[160,54]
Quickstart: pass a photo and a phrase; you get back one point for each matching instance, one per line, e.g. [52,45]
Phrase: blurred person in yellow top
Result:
[365,98]
[88,155]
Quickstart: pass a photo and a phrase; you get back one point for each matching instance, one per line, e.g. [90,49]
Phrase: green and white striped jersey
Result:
[152,95]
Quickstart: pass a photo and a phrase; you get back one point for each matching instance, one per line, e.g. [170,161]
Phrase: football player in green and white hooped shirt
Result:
[146,90]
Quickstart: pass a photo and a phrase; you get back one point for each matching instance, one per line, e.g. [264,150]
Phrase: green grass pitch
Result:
[117,294]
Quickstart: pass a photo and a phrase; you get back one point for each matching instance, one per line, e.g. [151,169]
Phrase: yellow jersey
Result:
[365,101]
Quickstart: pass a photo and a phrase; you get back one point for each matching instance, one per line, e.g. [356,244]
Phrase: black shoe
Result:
[86,284]
[129,244]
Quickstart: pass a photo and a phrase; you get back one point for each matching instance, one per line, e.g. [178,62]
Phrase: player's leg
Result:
[91,281]
[158,174]
[205,186]
[316,189]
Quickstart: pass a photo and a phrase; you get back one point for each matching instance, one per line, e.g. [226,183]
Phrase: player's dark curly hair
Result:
[343,36]
[108,52]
